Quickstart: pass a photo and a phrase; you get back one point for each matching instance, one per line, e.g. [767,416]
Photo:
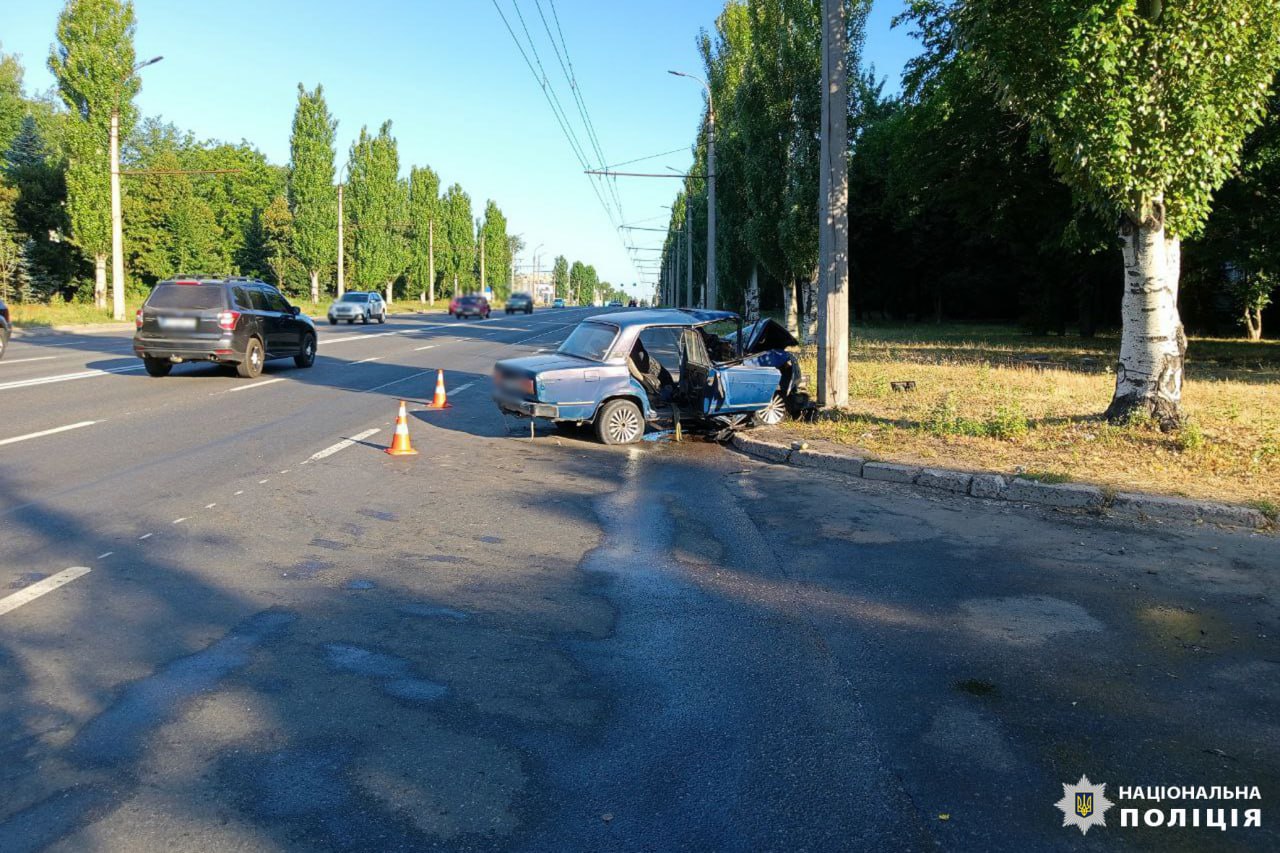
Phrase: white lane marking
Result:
[39,588]
[367,360]
[210,506]
[43,433]
[260,482]
[398,381]
[255,385]
[25,360]
[104,556]
[342,445]
[461,388]
[241,492]
[428,346]
[285,471]
[67,377]
[144,536]
[356,338]
[179,520]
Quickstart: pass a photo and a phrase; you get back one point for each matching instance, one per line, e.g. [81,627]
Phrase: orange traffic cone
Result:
[400,445]
[439,401]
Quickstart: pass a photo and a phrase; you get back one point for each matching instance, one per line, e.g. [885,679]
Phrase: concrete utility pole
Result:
[117,218]
[833,207]
[688,250]
[342,281]
[480,235]
[710,291]
[431,260]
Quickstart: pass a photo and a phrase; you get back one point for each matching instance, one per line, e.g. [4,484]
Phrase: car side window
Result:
[275,302]
[241,298]
[663,344]
[257,299]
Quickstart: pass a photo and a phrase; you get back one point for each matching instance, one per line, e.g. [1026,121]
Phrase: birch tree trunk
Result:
[810,309]
[431,261]
[789,308]
[1152,343]
[1253,322]
[390,286]
[100,281]
[753,295]
[315,285]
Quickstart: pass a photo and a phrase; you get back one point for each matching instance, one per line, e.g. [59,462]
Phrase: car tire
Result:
[772,414]
[157,367]
[254,356]
[307,357]
[364,319]
[332,321]
[382,318]
[529,310]
[4,340]
[351,321]
[619,422]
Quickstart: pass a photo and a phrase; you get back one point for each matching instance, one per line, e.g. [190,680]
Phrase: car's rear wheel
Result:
[251,367]
[772,414]
[382,318]
[332,321]
[619,422]
[157,366]
[4,341]
[307,357]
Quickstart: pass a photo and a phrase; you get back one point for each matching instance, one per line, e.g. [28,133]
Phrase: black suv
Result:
[237,321]
[519,302]
[4,328]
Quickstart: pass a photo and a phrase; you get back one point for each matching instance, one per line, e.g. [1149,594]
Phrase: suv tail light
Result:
[227,320]
[137,320]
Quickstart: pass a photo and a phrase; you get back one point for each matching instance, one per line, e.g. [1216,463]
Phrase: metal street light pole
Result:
[117,218]
[710,293]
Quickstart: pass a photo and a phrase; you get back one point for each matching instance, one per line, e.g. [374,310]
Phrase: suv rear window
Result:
[354,297]
[201,297]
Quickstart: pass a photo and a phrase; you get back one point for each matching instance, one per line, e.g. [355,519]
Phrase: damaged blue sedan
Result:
[626,371]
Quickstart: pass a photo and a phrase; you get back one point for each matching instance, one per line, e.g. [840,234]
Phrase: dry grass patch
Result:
[987,401]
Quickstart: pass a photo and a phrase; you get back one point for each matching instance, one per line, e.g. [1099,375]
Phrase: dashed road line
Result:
[210,506]
[179,520]
[342,445]
[367,360]
[145,536]
[66,377]
[461,388]
[255,385]
[104,556]
[45,432]
[241,492]
[39,588]
[428,346]
[25,360]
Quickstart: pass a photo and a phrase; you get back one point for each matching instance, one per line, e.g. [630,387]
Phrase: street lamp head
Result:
[152,61]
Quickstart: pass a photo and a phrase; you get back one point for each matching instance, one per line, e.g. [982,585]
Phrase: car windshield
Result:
[590,341]
[469,300]
[195,296]
[354,297]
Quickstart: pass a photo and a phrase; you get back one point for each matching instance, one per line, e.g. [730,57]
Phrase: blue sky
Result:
[461,98]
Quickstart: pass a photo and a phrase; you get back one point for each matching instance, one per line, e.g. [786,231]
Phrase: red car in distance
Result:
[462,307]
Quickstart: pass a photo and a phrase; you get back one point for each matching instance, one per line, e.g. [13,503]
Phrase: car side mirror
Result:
[295,310]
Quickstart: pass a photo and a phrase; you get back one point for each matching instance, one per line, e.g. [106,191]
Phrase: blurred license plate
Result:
[177,322]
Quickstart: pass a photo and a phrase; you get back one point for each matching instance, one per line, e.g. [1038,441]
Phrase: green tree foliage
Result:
[313,198]
[497,251]
[13,106]
[172,230]
[560,277]
[277,238]
[376,206]
[93,64]
[424,213]
[1239,256]
[36,175]
[1144,106]
[578,283]
[458,263]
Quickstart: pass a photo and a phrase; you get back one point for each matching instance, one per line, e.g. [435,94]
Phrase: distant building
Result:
[540,285]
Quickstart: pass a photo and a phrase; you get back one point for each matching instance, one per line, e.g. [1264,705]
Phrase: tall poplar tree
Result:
[497,251]
[459,258]
[1144,106]
[93,62]
[424,215]
[313,198]
[376,202]
[560,277]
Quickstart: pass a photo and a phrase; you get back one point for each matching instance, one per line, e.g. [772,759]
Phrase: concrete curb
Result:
[1073,496]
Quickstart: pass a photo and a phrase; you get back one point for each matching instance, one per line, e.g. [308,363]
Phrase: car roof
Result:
[663,317]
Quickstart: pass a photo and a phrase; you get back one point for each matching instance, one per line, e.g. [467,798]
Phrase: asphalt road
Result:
[287,640]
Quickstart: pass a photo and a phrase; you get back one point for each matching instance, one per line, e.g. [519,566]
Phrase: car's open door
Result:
[694,387]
